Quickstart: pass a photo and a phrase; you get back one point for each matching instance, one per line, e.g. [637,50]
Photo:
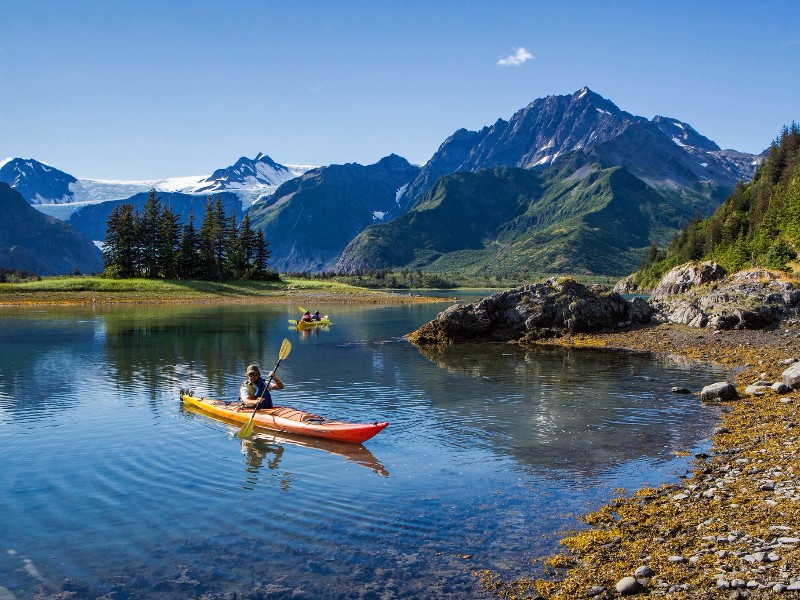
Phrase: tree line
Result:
[758,225]
[154,244]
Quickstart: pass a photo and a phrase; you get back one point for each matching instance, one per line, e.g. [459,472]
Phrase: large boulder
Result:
[791,376]
[546,309]
[685,277]
[697,295]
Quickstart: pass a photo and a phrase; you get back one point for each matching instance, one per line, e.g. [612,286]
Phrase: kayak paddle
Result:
[293,321]
[247,429]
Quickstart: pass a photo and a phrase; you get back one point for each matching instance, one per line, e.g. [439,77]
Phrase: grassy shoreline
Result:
[97,290]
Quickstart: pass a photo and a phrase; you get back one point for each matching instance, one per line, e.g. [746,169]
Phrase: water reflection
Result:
[578,411]
[256,450]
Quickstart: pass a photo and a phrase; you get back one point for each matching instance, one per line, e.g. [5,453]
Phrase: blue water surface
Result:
[110,486]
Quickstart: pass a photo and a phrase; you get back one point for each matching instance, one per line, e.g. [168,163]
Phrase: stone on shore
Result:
[628,586]
[721,390]
[791,376]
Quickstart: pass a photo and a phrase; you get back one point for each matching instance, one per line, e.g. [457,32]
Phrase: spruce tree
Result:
[148,237]
[168,240]
[209,237]
[188,255]
[119,248]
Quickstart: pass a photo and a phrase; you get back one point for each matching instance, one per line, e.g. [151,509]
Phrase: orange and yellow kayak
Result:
[289,420]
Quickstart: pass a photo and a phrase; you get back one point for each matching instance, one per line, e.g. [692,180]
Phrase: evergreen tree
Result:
[119,247]
[235,258]
[149,247]
[168,242]
[262,256]
[188,254]
[212,243]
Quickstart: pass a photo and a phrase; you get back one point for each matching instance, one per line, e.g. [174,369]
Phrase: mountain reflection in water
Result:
[555,407]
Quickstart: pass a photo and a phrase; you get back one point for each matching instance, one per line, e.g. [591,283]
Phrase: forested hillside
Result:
[758,224]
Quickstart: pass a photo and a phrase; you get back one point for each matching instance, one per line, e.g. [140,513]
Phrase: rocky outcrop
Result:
[694,294]
[626,285]
[541,310]
[685,277]
[700,295]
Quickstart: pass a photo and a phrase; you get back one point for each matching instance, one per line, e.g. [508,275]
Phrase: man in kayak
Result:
[307,318]
[316,317]
[255,390]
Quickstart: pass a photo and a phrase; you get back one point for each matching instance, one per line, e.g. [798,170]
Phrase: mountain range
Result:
[568,184]
[37,243]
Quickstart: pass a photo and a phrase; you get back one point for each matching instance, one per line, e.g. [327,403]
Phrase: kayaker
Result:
[254,391]
[316,316]
[307,318]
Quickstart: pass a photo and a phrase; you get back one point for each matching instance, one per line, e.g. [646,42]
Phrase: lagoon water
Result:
[110,486]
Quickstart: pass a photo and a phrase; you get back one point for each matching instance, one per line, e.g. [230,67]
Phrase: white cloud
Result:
[514,60]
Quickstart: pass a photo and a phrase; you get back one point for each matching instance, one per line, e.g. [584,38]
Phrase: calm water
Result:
[109,484]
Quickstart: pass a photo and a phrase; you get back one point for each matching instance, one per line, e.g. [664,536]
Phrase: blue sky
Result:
[144,90]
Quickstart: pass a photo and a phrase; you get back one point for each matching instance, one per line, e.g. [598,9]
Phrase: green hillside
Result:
[577,218]
[758,224]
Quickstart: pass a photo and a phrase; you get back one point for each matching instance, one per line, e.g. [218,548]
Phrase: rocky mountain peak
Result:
[36,181]
[683,134]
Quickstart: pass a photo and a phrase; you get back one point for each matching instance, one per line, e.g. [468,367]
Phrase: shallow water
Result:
[491,452]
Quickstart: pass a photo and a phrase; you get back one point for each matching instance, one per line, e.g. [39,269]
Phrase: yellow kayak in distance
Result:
[312,324]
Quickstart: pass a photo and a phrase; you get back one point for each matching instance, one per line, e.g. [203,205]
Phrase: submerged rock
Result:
[541,310]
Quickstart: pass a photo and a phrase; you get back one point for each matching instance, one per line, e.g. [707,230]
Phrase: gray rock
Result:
[676,559]
[780,388]
[756,390]
[681,390]
[791,376]
[687,276]
[628,586]
[644,572]
[721,390]
[541,310]
[697,295]
[625,286]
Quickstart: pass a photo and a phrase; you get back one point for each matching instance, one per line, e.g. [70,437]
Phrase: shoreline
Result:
[729,529]
[287,296]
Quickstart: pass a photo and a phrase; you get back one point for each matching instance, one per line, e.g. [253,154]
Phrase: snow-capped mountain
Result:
[37,182]
[551,128]
[59,194]
[258,174]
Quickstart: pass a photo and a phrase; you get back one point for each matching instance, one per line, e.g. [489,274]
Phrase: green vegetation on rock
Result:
[757,226]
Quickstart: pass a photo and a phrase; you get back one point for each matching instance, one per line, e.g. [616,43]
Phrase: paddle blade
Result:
[247,429]
[302,310]
[286,347]
[293,321]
